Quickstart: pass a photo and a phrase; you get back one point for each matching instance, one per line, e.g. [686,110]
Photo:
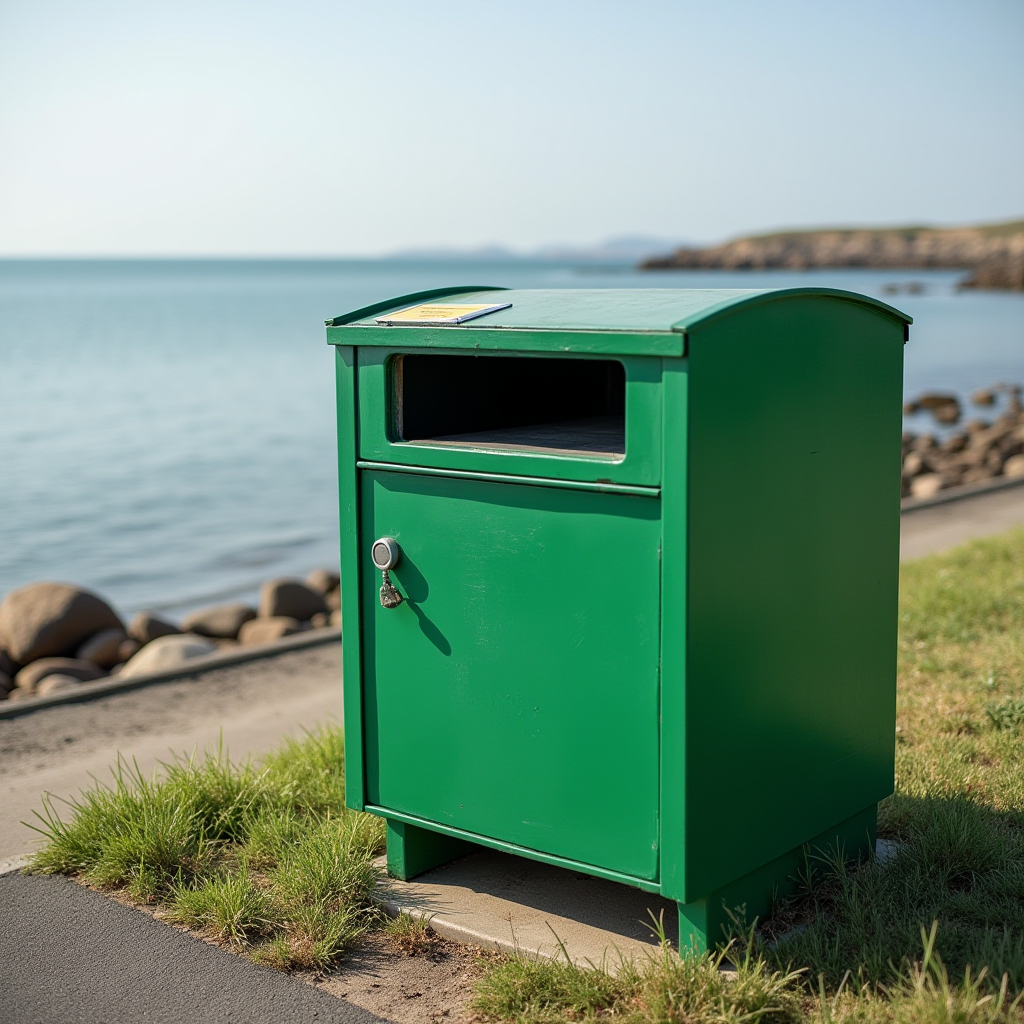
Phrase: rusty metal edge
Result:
[204,663]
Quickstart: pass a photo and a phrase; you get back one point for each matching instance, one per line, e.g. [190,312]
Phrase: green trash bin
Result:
[620,580]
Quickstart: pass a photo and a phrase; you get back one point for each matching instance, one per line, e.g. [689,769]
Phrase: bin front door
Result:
[514,692]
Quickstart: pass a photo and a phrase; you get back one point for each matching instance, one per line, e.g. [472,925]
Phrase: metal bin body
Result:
[650,633]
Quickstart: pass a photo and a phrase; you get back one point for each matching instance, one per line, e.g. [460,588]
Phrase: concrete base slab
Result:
[499,901]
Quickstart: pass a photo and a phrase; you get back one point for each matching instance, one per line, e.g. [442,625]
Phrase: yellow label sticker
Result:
[434,314]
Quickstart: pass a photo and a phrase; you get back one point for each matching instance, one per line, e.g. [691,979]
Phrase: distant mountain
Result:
[994,253]
[627,249]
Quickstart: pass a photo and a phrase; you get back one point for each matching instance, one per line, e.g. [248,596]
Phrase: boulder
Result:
[985,396]
[223,621]
[977,474]
[266,630]
[336,617]
[320,620]
[1014,466]
[102,649]
[33,673]
[6,685]
[936,399]
[167,652]
[947,414]
[55,683]
[8,665]
[147,627]
[44,619]
[926,486]
[292,599]
[333,598]
[323,581]
[915,464]
[128,649]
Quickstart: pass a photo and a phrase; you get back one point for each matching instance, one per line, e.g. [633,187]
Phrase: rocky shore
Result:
[992,254]
[982,449]
[55,636]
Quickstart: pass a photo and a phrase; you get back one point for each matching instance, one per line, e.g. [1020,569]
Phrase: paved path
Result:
[72,956]
[252,706]
[933,528]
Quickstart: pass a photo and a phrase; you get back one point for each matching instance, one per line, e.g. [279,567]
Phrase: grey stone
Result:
[222,621]
[323,581]
[55,683]
[1014,466]
[290,599]
[102,649]
[267,630]
[34,672]
[926,486]
[44,619]
[147,627]
[167,652]
[128,649]
[8,665]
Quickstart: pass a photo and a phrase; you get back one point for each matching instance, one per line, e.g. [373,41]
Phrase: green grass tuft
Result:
[264,857]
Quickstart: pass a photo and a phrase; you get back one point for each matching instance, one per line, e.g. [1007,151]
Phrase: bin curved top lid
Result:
[609,310]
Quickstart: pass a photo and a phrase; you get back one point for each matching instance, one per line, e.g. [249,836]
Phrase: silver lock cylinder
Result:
[385,553]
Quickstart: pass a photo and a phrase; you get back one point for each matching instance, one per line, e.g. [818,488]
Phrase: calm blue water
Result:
[167,427]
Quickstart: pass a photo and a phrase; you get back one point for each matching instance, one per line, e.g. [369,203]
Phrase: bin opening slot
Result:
[521,403]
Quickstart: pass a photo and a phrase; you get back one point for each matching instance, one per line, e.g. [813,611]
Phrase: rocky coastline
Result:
[992,255]
[981,449]
[58,636]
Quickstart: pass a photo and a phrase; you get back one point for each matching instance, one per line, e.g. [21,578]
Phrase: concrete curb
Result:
[1002,483]
[204,663]
[13,864]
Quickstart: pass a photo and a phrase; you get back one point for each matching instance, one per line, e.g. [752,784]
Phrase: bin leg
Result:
[413,850]
[709,922]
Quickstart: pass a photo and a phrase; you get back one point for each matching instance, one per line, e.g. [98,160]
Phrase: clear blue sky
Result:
[332,127]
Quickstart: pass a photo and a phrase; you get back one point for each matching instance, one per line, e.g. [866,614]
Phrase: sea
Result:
[167,426]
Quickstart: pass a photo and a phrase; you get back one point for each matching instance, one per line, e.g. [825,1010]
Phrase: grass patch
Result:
[958,810]
[263,857]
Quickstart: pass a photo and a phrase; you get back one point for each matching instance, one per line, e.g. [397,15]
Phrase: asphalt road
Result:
[72,956]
